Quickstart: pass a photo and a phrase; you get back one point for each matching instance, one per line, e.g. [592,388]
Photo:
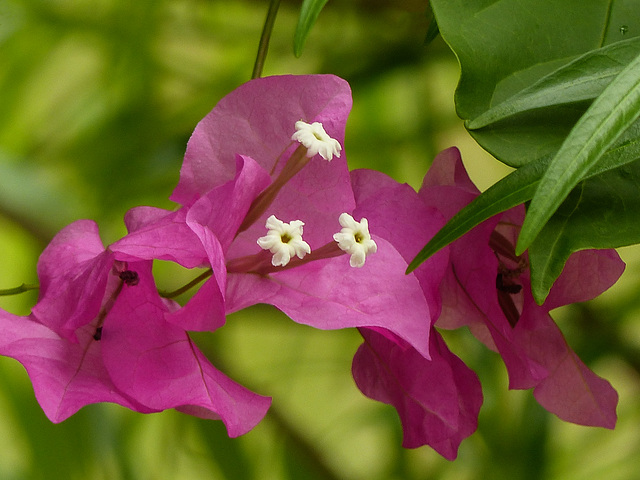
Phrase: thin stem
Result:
[264,38]
[260,263]
[107,307]
[188,286]
[25,287]
[294,164]
[500,245]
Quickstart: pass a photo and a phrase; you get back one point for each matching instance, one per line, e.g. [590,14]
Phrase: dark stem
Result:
[206,274]
[264,38]
[500,245]
[25,287]
[105,310]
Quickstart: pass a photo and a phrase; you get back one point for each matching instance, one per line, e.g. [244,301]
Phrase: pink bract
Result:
[234,154]
[437,397]
[117,346]
[491,294]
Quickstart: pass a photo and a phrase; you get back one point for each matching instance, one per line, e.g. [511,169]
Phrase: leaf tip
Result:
[526,237]
[417,261]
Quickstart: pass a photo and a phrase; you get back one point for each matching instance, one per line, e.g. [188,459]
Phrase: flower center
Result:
[354,239]
[284,241]
[510,267]
[316,140]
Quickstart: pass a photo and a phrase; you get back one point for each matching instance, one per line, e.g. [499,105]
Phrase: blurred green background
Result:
[97,101]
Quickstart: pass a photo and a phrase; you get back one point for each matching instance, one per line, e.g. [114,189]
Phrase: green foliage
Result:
[580,80]
[584,221]
[505,47]
[611,114]
[308,15]
[525,93]
[97,101]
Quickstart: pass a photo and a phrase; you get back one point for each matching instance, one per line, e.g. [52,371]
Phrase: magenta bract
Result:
[489,290]
[117,345]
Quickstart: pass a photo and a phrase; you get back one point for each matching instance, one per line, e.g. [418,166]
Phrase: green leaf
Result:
[609,116]
[601,213]
[580,80]
[308,15]
[516,188]
[519,187]
[506,47]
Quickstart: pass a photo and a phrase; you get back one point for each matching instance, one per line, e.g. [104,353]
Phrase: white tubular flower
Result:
[284,240]
[355,240]
[316,140]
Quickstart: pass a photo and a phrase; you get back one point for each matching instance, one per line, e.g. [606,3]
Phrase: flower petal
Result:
[601,267]
[66,376]
[567,388]
[156,363]
[329,294]
[447,169]
[73,272]
[169,237]
[223,209]
[401,217]
[257,119]
[438,400]
[160,235]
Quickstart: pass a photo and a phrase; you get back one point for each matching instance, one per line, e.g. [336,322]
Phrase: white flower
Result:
[284,240]
[355,240]
[316,140]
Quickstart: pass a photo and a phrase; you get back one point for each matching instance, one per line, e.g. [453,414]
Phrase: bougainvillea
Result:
[489,290]
[484,286]
[99,333]
[268,208]
[246,182]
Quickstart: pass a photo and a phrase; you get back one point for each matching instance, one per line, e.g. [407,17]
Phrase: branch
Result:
[25,287]
[264,38]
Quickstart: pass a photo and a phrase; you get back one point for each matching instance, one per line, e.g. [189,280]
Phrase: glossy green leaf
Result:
[506,48]
[519,187]
[516,188]
[308,15]
[610,115]
[601,213]
[580,80]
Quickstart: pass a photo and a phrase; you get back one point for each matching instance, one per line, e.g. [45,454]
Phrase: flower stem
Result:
[294,164]
[105,310]
[264,38]
[260,263]
[188,286]
[500,245]
[25,287]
